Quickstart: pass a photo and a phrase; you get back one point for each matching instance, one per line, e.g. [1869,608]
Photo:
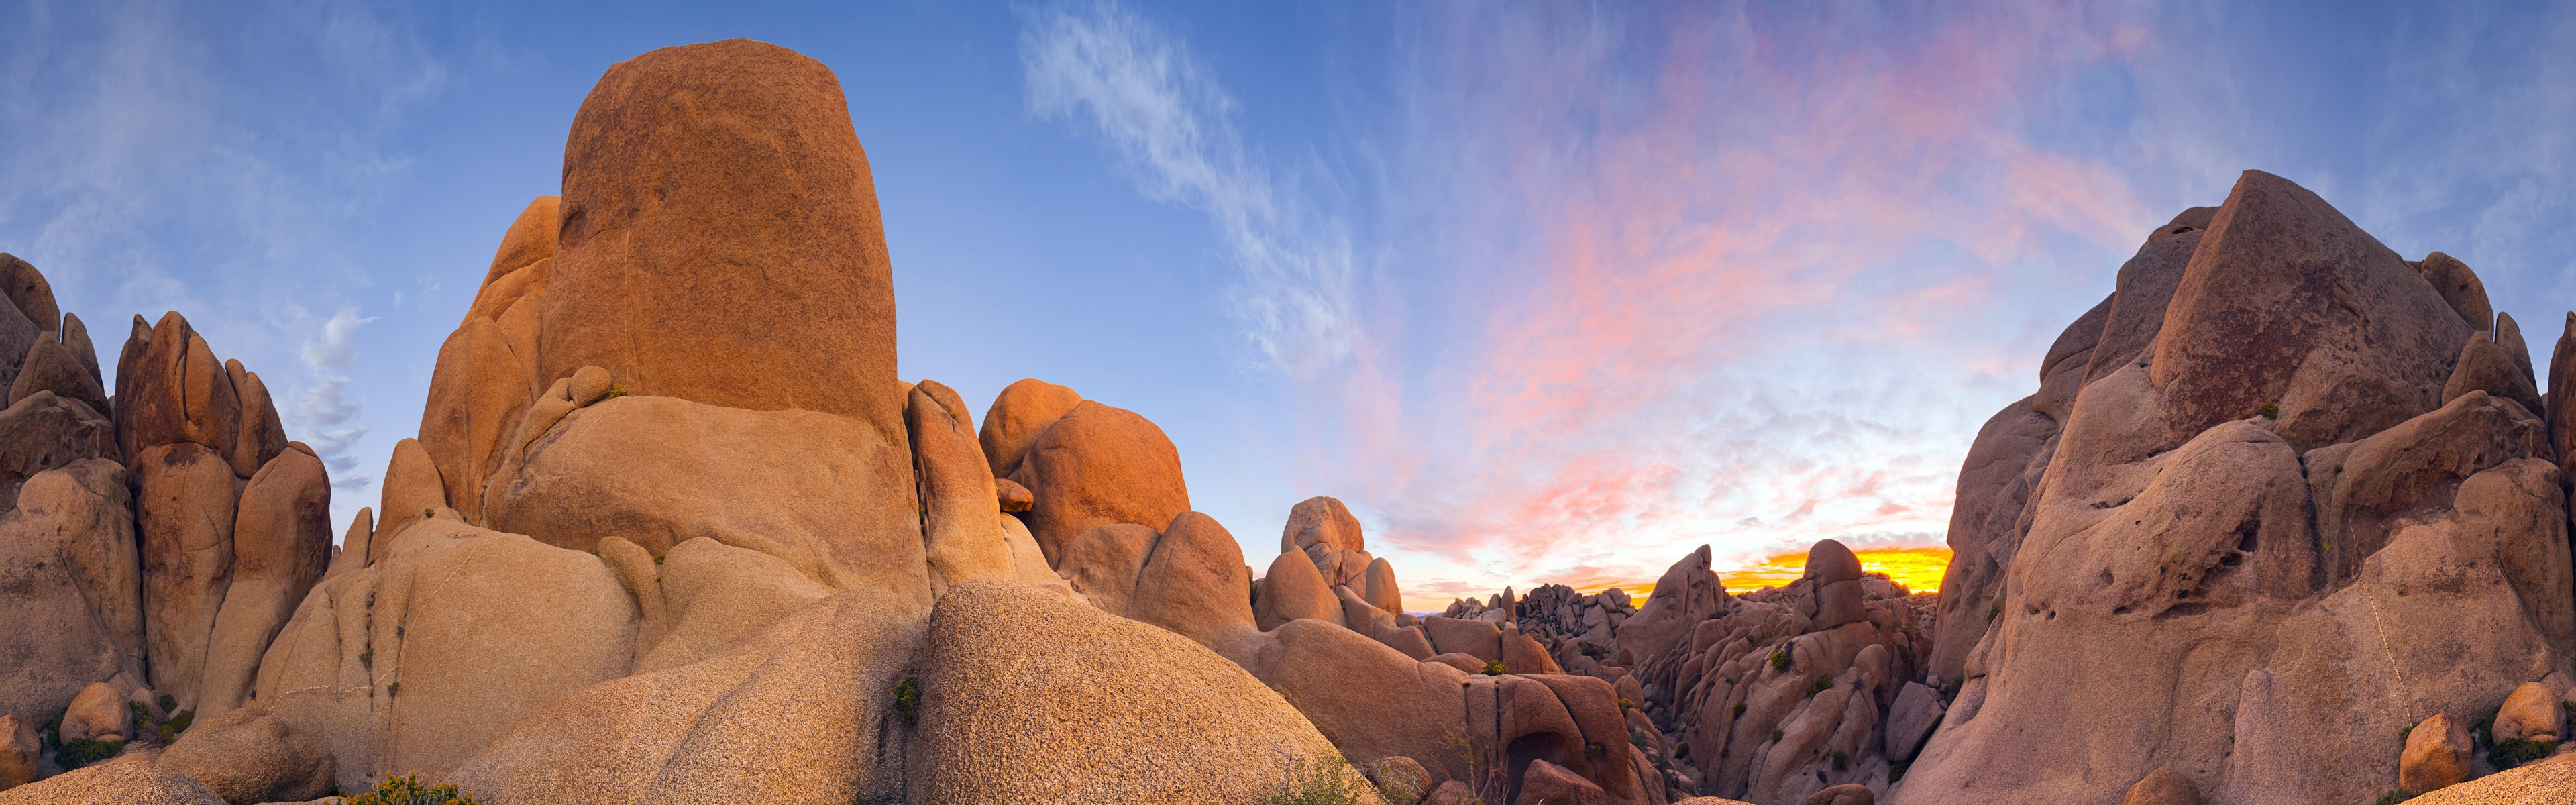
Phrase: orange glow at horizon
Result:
[1916,569]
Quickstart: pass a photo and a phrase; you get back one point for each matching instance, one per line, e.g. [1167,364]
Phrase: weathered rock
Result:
[114,784]
[2561,403]
[1910,719]
[1478,639]
[413,492]
[1194,582]
[62,362]
[43,431]
[1099,465]
[1845,794]
[246,757]
[2163,787]
[69,587]
[171,389]
[2484,365]
[98,711]
[185,503]
[1020,674]
[1013,496]
[27,290]
[2364,489]
[774,720]
[1402,780]
[1102,563]
[1995,485]
[21,753]
[2271,312]
[1028,562]
[720,239]
[1687,594]
[1022,411]
[2437,755]
[2544,783]
[716,596]
[2143,289]
[281,545]
[822,492]
[1320,526]
[1546,783]
[352,552]
[2532,711]
[480,389]
[2459,288]
[1525,656]
[421,660]
[962,538]
[1380,589]
[1452,792]
[2062,370]
[1291,590]
[261,436]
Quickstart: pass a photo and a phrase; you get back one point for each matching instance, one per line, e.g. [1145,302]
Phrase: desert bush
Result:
[1495,668]
[1326,780]
[408,790]
[907,698]
[79,752]
[2512,752]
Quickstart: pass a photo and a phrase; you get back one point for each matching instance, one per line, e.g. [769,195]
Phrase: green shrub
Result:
[1738,708]
[1775,733]
[2394,797]
[1397,784]
[408,790]
[907,698]
[1318,781]
[1681,750]
[2269,411]
[179,723]
[1495,668]
[79,752]
[170,703]
[1821,685]
[1896,772]
[2512,752]
[616,390]
[1780,660]
[1842,761]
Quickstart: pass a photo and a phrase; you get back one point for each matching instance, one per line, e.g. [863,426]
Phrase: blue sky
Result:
[1546,292]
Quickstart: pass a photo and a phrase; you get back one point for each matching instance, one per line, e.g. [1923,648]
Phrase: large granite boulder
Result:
[69,590]
[1099,465]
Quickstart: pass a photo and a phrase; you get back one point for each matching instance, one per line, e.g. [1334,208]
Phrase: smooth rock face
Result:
[2163,787]
[1020,675]
[774,720]
[62,362]
[185,505]
[421,660]
[2460,288]
[171,389]
[2003,467]
[1911,718]
[1023,410]
[1292,589]
[2256,321]
[41,432]
[1845,794]
[1319,526]
[823,493]
[69,587]
[281,545]
[1687,594]
[1194,583]
[247,757]
[714,597]
[1103,563]
[114,784]
[21,753]
[720,240]
[1546,783]
[2531,712]
[1096,466]
[963,539]
[2485,365]
[98,711]
[2561,403]
[2437,755]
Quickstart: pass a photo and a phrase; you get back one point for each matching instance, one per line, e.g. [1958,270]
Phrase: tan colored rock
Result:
[174,391]
[413,492]
[2531,712]
[423,659]
[1400,780]
[97,711]
[772,720]
[823,492]
[1378,586]
[2548,782]
[1546,783]
[2437,755]
[21,754]
[1190,726]
[481,388]
[590,384]
[1687,593]
[85,511]
[2256,321]
[27,290]
[962,538]
[1996,480]
[1319,526]
[247,757]
[2163,787]
[185,502]
[2561,402]
[1525,656]
[1099,465]
[58,363]
[1013,496]
[531,238]
[1452,792]
[2459,287]
[262,436]
[1022,411]
[1411,642]
[1194,583]
[352,553]
[720,240]
[1103,563]
[1291,590]
[281,545]
[42,432]
[117,783]
[1464,663]
[2485,365]
[1845,794]
[2062,370]
[2364,489]
[718,596]
[1028,562]
[2144,288]
[1478,639]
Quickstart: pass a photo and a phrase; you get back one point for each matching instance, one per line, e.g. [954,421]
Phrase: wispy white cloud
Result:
[326,413]
[1162,110]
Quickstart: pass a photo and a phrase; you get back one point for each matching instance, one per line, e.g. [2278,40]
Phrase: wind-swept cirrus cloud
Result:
[1161,110]
[1738,275]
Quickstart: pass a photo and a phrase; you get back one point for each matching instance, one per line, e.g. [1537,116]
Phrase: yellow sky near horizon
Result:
[1916,569]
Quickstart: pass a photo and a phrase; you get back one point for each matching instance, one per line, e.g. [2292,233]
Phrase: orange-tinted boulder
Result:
[1099,465]
[720,240]
[1018,414]
[171,389]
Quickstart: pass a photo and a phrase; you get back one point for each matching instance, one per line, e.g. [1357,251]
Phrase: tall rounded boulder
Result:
[1097,466]
[720,240]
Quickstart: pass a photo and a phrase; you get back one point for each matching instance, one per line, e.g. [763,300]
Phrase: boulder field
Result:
[2283,522]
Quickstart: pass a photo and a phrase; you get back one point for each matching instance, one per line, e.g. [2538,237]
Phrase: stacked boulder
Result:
[2280,497]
